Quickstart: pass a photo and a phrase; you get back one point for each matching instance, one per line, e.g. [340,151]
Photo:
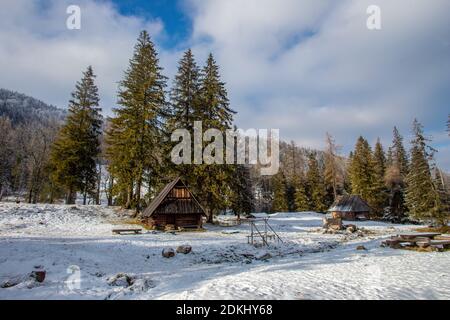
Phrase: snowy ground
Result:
[75,243]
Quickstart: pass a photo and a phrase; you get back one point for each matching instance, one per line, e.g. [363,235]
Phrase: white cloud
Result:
[305,67]
[308,67]
[41,57]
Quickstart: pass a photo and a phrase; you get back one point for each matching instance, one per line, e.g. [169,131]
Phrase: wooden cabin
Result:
[174,207]
[350,207]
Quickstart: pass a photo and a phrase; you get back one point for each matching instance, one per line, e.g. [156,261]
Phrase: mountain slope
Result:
[20,108]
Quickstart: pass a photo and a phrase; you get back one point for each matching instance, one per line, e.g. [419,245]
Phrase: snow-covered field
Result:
[83,260]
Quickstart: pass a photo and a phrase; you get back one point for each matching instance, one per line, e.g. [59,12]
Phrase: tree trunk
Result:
[138,196]
[110,187]
[99,180]
[129,197]
[30,195]
[70,199]
[84,196]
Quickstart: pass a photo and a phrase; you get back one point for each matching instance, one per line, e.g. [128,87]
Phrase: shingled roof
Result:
[163,194]
[349,203]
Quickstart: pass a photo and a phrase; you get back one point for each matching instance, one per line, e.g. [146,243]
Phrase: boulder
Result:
[185,249]
[39,276]
[361,247]
[351,228]
[168,253]
[121,280]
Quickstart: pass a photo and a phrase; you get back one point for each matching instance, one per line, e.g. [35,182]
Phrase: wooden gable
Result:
[176,199]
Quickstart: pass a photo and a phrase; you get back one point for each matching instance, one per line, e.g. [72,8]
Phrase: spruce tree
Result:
[185,94]
[302,202]
[399,155]
[362,171]
[397,164]
[420,191]
[242,191]
[380,192]
[213,182]
[75,151]
[185,106]
[279,201]
[441,210]
[316,184]
[134,137]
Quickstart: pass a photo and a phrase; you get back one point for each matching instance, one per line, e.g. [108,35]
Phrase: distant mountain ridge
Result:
[20,108]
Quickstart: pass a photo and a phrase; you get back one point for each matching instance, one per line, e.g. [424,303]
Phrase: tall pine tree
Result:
[362,172]
[135,135]
[396,170]
[380,191]
[75,152]
[441,210]
[316,184]
[302,202]
[279,187]
[420,191]
[212,182]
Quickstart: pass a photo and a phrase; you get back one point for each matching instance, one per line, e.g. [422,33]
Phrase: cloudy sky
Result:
[305,67]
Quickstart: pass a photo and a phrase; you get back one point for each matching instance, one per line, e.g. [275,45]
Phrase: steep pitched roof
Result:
[163,194]
[349,203]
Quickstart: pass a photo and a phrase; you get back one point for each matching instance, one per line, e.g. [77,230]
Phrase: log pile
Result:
[429,241]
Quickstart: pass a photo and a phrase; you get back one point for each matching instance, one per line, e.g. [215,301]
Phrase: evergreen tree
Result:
[398,153]
[213,182]
[279,202]
[75,151]
[396,171]
[380,192]
[316,184]
[134,137]
[302,202]
[185,94]
[442,202]
[185,105]
[242,191]
[420,191]
[362,172]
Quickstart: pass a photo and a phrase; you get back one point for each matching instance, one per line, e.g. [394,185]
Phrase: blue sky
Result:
[302,66]
[177,25]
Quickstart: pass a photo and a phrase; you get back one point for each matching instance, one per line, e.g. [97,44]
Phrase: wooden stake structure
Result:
[267,234]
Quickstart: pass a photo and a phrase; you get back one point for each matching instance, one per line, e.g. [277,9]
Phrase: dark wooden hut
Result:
[175,206]
[350,207]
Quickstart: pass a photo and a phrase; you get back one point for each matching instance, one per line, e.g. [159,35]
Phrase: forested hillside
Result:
[20,108]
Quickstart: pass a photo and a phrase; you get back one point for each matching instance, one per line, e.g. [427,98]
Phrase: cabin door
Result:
[171,219]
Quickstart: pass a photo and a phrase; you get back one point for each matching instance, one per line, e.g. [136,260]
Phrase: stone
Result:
[185,249]
[265,256]
[351,228]
[121,280]
[39,276]
[168,253]
[361,248]
[9,284]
